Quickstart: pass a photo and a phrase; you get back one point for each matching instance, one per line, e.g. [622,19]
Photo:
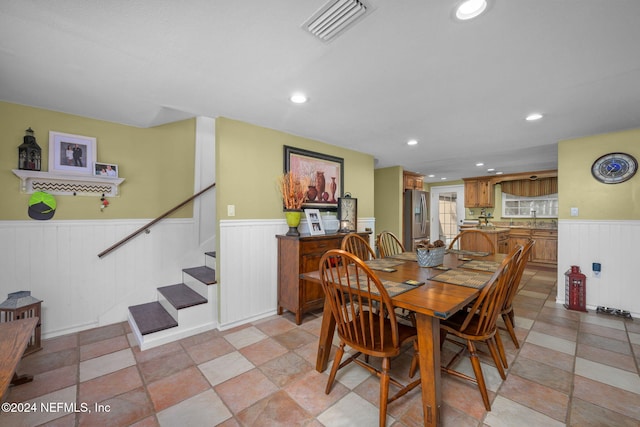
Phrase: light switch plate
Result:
[574,211]
[231,210]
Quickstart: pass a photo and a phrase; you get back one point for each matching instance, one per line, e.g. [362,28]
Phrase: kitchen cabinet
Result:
[478,193]
[297,255]
[413,181]
[502,242]
[545,251]
[475,242]
[519,236]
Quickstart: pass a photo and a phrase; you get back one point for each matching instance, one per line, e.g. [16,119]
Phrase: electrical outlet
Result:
[231,210]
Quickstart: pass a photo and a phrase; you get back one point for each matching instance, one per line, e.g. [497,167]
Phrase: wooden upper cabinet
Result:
[413,181]
[478,193]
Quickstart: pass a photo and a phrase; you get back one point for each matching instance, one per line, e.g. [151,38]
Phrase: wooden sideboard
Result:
[297,255]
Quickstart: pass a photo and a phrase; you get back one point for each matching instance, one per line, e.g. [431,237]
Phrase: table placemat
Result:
[477,264]
[406,256]
[393,288]
[470,253]
[382,263]
[471,279]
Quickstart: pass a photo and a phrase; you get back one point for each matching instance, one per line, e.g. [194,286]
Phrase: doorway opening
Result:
[447,212]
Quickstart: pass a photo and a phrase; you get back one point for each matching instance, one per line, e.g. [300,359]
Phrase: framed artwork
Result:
[106,170]
[321,175]
[71,153]
[315,221]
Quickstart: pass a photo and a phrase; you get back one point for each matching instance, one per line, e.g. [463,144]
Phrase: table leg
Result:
[326,338]
[429,348]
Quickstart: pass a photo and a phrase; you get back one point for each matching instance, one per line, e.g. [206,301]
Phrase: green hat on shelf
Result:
[41,205]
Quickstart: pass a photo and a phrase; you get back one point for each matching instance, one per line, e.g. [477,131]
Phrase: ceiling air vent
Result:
[334,17]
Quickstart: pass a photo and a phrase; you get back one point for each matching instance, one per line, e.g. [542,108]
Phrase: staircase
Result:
[181,310]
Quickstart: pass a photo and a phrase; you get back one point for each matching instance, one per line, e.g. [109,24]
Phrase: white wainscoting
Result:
[57,261]
[614,244]
[248,259]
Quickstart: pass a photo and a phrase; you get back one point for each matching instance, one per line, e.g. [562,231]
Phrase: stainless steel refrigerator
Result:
[415,221]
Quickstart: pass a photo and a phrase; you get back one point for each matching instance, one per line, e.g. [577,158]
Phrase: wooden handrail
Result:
[160,218]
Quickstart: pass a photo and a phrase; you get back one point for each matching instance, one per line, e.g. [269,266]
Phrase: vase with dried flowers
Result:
[293,196]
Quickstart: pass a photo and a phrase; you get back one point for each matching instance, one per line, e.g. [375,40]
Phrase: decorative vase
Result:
[312,193]
[333,186]
[293,220]
[320,182]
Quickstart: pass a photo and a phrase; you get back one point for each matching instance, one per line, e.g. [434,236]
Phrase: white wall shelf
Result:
[67,184]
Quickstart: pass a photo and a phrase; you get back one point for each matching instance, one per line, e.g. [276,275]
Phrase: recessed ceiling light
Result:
[490,170]
[443,178]
[431,176]
[533,117]
[412,142]
[479,164]
[499,173]
[470,9]
[298,98]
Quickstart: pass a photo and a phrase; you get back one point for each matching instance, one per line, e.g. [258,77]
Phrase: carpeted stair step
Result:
[181,296]
[151,317]
[204,274]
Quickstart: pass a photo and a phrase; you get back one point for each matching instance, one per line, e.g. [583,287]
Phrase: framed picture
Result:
[322,176]
[106,170]
[315,221]
[71,153]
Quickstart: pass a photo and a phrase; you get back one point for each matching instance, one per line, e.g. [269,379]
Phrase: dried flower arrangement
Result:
[292,190]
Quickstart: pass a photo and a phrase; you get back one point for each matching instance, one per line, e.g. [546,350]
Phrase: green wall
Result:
[578,188]
[388,206]
[249,159]
[157,164]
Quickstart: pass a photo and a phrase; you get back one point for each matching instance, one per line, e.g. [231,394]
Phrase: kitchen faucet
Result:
[534,217]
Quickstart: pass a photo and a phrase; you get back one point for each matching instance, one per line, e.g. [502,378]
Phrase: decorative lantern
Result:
[21,305]
[29,153]
[575,292]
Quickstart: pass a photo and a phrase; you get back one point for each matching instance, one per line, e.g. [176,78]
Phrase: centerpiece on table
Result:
[293,196]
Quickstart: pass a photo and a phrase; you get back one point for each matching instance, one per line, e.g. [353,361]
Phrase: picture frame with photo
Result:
[314,220]
[105,170]
[70,153]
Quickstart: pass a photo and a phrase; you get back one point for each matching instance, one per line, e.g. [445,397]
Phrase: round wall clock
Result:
[614,168]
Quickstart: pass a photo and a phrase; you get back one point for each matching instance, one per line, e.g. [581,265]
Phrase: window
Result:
[528,207]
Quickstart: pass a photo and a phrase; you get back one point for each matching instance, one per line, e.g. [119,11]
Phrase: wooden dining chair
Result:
[388,244]
[466,236]
[350,288]
[507,308]
[478,324]
[357,245]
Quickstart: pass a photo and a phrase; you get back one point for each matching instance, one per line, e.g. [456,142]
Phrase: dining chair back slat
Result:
[389,244]
[357,245]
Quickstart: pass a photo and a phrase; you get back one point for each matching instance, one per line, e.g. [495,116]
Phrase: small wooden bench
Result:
[14,337]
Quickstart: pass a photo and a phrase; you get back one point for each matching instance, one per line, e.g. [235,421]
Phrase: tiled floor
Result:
[573,369]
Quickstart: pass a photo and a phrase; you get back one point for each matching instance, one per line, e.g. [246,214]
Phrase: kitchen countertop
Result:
[500,229]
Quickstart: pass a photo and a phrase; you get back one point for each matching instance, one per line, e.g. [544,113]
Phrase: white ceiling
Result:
[407,70]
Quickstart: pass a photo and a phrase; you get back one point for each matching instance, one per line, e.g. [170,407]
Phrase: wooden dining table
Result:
[431,301]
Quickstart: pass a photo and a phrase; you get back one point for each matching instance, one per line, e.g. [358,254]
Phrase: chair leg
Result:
[477,370]
[496,357]
[334,368]
[508,322]
[384,391]
[503,354]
